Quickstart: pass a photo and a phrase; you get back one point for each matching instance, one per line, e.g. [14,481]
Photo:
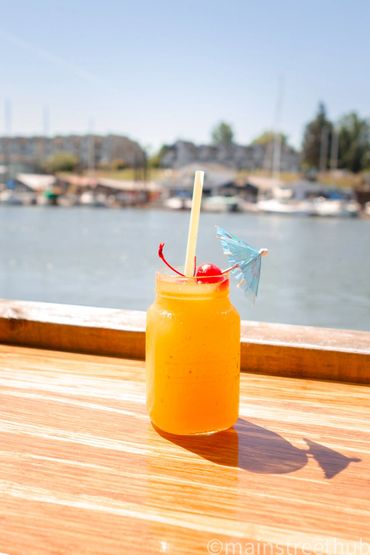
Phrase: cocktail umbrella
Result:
[245,261]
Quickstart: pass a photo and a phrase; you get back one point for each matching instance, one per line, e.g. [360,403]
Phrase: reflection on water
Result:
[317,272]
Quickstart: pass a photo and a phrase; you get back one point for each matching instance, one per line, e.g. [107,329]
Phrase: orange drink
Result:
[192,356]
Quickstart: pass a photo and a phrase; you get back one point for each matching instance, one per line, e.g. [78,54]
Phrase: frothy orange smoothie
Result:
[192,356]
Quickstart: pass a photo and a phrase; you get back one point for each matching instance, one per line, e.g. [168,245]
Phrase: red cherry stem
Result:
[162,257]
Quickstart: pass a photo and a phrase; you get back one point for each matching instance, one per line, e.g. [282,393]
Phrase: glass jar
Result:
[192,356]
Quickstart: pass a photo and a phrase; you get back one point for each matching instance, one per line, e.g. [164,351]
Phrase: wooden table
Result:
[83,471]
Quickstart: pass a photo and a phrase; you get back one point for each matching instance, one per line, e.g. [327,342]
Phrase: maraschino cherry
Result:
[209,273]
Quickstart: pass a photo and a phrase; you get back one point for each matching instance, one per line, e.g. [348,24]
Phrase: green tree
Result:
[222,134]
[268,137]
[155,159]
[353,143]
[317,140]
[61,162]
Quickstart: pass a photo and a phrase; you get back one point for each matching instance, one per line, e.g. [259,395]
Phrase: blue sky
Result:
[161,70]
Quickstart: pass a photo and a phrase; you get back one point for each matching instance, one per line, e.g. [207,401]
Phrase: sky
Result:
[162,70]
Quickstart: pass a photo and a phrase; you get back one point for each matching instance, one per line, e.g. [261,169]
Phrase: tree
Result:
[353,142]
[155,159]
[222,134]
[268,137]
[61,162]
[317,141]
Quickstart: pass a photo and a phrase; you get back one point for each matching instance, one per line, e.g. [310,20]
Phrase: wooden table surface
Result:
[83,471]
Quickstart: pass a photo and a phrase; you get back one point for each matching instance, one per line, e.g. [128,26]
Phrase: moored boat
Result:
[285,206]
[88,198]
[335,207]
[177,203]
[9,197]
[218,203]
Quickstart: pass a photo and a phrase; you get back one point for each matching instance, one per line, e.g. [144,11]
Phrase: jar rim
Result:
[176,278]
[172,285]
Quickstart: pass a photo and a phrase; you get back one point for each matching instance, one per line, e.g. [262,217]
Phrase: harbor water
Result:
[317,272]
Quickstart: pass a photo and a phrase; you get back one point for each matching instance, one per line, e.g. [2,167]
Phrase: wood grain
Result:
[82,471]
[276,349]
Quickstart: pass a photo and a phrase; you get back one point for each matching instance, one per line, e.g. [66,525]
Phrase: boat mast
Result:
[324,149]
[334,150]
[7,139]
[91,148]
[276,153]
[45,131]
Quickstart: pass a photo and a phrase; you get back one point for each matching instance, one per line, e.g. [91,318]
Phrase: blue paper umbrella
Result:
[245,261]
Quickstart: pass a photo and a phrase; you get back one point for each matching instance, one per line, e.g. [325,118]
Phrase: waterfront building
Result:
[89,150]
[238,157]
[181,179]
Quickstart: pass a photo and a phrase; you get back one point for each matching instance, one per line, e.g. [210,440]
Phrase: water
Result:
[317,272]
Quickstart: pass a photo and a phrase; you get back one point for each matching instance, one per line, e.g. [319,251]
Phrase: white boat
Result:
[90,199]
[177,203]
[219,203]
[9,197]
[285,206]
[308,199]
[247,206]
[334,208]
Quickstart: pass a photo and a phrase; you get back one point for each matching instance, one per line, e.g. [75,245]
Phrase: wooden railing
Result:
[278,349]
